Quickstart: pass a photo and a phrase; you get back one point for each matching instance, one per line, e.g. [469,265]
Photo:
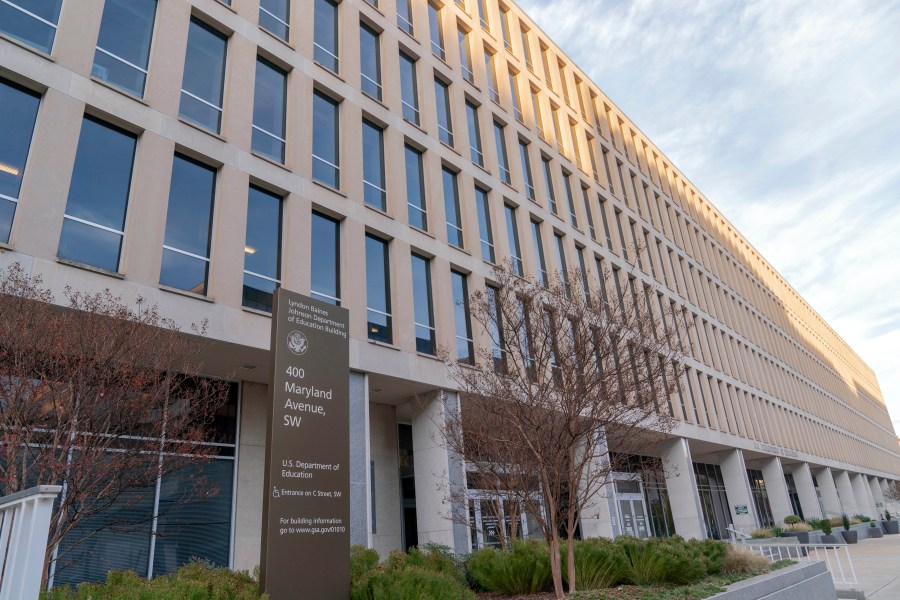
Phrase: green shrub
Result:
[825,526]
[362,560]
[765,532]
[523,569]
[433,558]
[792,520]
[655,562]
[193,581]
[408,583]
[862,518]
[599,563]
[887,515]
[713,552]
[777,531]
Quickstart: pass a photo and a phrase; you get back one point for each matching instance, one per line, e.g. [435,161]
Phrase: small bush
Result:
[845,521]
[792,520]
[409,583]
[433,558]
[777,531]
[194,581]
[862,518]
[765,532]
[655,562]
[713,553]
[825,526]
[887,515]
[739,561]
[524,569]
[362,560]
[801,526]
[780,564]
[599,563]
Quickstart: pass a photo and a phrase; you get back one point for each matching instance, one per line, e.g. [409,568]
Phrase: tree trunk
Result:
[556,567]
[570,560]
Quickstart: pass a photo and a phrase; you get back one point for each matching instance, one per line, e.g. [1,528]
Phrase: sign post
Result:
[305,548]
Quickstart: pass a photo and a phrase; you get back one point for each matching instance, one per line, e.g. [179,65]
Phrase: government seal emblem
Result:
[297,342]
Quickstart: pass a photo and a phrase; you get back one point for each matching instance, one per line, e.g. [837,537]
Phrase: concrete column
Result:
[877,495]
[737,486]
[845,492]
[251,467]
[440,474]
[864,501]
[360,457]
[776,489]
[386,515]
[597,512]
[806,490]
[828,489]
[681,484]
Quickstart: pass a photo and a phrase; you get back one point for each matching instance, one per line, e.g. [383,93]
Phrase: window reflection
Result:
[20,108]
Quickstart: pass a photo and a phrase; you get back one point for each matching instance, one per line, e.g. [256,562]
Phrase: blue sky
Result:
[786,115]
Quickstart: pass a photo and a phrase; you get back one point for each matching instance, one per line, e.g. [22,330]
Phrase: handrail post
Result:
[24,528]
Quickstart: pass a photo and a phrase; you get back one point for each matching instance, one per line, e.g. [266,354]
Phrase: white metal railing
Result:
[24,527]
[738,535]
[836,557]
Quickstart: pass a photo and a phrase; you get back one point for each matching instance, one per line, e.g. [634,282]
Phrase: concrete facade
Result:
[768,381]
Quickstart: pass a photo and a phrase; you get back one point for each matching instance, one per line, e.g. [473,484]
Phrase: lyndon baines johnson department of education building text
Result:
[383,155]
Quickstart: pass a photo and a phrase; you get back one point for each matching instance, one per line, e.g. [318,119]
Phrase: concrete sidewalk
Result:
[877,565]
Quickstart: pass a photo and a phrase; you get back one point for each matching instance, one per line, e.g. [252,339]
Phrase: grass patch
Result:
[706,587]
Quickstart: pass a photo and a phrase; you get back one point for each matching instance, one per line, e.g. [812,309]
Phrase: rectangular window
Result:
[514,96]
[370,61]
[415,189]
[465,345]
[409,89]
[451,208]
[485,232]
[326,149]
[465,57]
[545,59]
[482,13]
[123,46]
[325,259]
[325,35]
[204,76]
[548,180]
[374,192]
[582,268]
[378,290]
[567,181]
[262,249]
[556,129]
[32,22]
[585,194]
[275,17]
[495,328]
[537,238]
[526,170]
[504,28]
[436,31]
[491,74]
[502,158]
[593,157]
[269,100]
[621,233]
[561,260]
[445,122]
[94,221]
[185,258]
[526,49]
[423,310]
[404,16]
[20,108]
[474,134]
[512,234]
[538,116]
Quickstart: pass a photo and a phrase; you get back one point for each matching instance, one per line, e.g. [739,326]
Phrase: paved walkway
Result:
[877,565]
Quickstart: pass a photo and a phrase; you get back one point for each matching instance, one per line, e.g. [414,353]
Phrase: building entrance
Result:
[632,507]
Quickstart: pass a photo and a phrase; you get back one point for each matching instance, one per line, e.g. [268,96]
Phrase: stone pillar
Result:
[877,495]
[864,501]
[845,492]
[251,467]
[776,489]
[737,486]
[440,474]
[828,489]
[597,512]
[360,458]
[806,490]
[385,479]
[681,484]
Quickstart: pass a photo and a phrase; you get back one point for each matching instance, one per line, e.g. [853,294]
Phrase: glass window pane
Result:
[262,249]
[404,16]
[474,134]
[193,524]
[274,15]
[36,32]
[269,100]
[502,160]
[325,259]
[370,61]
[188,225]
[422,307]
[464,345]
[204,76]
[512,232]
[373,166]
[409,93]
[484,225]
[19,107]
[325,141]
[445,125]
[123,46]
[451,208]
[437,35]
[98,195]
[378,290]
[415,188]
[325,48]
[526,170]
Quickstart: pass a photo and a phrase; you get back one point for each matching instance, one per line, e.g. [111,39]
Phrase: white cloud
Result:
[786,115]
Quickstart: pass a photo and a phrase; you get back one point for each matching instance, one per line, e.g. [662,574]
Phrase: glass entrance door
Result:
[632,508]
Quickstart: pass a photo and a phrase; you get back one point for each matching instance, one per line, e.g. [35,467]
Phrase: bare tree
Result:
[566,374]
[97,395]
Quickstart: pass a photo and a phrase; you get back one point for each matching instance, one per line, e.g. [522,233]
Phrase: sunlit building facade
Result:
[384,156]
